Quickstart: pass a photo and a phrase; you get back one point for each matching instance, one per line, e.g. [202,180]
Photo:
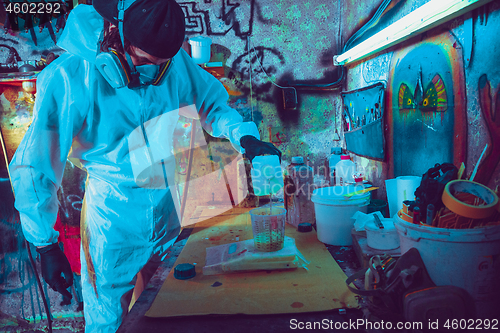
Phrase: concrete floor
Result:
[20,303]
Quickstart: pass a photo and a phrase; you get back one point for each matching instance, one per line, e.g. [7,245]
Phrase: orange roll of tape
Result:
[463,209]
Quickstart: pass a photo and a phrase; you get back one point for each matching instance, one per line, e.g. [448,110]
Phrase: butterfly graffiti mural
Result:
[424,117]
[426,106]
[432,99]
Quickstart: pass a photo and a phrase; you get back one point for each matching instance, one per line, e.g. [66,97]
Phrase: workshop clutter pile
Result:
[315,198]
[455,225]
[444,229]
[457,203]
[306,201]
[311,197]
[401,289]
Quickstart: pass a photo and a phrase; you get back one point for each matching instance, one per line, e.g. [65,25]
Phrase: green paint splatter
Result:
[319,110]
[257,29]
[322,43]
[293,13]
[266,41]
[322,12]
[307,25]
[298,73]
[295,44]
[267,12]
[280,31]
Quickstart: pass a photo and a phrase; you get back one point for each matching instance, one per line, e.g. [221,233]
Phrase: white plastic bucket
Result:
[267,175]
[334,212]
[200,49]
[382,239]
[466,258]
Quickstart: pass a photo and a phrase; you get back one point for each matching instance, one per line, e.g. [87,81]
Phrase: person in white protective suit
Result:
[112,110]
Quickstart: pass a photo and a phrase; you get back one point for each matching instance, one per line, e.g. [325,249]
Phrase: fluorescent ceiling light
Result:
[431,14]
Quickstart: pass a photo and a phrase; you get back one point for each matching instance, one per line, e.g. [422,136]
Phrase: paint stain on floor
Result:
[297,305]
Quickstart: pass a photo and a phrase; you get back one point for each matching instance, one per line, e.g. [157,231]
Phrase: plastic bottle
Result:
[267,176]
[299,185]
[344,171]
[332,162]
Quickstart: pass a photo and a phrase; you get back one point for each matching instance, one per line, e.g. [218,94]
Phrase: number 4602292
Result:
[33,8]
[471,324]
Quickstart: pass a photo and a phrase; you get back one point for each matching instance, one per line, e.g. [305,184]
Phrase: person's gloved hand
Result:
[255,147]
[54,265]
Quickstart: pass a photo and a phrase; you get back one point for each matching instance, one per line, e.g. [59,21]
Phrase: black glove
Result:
[255,147]
[55,264]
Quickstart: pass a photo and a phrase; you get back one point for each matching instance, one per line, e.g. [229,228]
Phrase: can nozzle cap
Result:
[184,271]
[304,227]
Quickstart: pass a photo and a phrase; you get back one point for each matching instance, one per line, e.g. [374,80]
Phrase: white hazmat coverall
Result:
[123,139]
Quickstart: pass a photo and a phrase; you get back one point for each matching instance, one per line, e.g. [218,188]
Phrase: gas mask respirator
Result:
[119,71]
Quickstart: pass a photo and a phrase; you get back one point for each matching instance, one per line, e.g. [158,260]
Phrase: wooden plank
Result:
[320,288]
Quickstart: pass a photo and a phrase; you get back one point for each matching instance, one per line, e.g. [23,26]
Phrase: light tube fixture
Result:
[427,16]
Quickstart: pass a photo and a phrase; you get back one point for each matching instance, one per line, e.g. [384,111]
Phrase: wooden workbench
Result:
[137,321]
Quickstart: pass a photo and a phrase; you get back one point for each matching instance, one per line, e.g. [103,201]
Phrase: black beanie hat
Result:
[155,26]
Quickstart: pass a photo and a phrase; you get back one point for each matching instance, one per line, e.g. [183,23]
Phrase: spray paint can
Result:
[416,215]
[430,214]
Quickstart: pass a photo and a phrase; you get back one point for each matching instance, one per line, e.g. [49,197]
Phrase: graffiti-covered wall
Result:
[452,70]
[441,99]
[266,44]
[262,45]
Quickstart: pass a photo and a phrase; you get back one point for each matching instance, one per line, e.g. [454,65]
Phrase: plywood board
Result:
[320,288]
